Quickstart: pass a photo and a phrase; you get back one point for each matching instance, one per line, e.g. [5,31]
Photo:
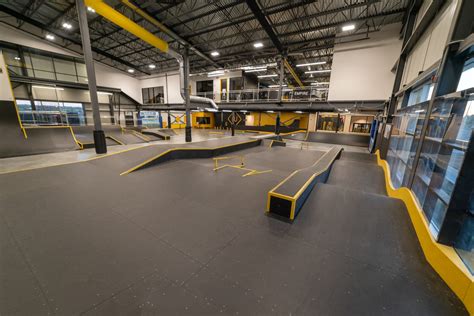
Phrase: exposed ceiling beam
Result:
[64,35]
[262,19]
[169,31]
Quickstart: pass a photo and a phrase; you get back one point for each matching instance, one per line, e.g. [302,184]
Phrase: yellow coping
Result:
[140,135]
[115,139]
[178,149]
[296,132]
[74,162]
[444,259]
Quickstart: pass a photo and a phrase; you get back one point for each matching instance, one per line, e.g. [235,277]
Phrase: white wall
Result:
[5,87]
[362,70]
[106,75]
[430,47]
[172,94]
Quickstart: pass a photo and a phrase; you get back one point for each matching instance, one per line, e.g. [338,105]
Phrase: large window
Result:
[51,113]
[25,61]
[153,95]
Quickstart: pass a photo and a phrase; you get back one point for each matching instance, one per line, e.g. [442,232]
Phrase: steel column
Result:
[99,136]
[187,100]
[282,75]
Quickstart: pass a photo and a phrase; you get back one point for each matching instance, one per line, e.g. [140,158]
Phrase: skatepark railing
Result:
[44,118]
[268,95]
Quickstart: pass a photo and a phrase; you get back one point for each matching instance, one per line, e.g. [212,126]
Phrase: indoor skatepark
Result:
[236,158]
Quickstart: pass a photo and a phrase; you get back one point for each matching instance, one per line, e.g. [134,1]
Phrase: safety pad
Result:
[288,197]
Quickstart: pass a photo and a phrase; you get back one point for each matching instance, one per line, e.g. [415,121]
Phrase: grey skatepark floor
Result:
[181,239]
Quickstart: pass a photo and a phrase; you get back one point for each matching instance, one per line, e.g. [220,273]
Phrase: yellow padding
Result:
[444,259]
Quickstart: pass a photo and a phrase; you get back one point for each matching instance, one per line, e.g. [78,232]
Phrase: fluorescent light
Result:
[48,88]
[211,110]
[17,58]
[348,27]
[67,26]
[215,53]
[130,70]
[50,37]
[243,111]
[90,9]
[215,73]
[299,112]
[270,111]
[227,111]
[258,66]
[276,85]
[267,76]
[258,45]
[317,71]
[151,66]
[322,89]
[318,83]
[256,70]
[311,64]
[104,93]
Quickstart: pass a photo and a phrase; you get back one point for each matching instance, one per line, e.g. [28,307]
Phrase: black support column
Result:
[99,136]
[186,94]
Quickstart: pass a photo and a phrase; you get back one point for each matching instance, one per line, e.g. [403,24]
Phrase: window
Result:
[329,122]
[203,120]
[467,77]
[205,86]
[421,94]
[153,95]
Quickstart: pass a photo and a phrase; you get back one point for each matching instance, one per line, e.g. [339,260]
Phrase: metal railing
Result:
[50,118]
[268,95]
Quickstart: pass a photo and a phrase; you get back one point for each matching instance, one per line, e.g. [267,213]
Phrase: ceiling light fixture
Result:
[317,71]
[311,64]
[299,112]
[256,70]
[130,70]
[48,88]
[50,37]
[267,76]
[67,25]
[318,83]
[90,9]
[270,111]
[215,73]
[348,27]
[215,53]
[276,85]
[151,66]
[17,58]
[258,45]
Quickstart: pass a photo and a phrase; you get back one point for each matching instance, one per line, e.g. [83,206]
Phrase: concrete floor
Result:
[181,239]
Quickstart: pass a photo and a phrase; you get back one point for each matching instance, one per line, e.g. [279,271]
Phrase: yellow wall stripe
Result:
[444,259]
